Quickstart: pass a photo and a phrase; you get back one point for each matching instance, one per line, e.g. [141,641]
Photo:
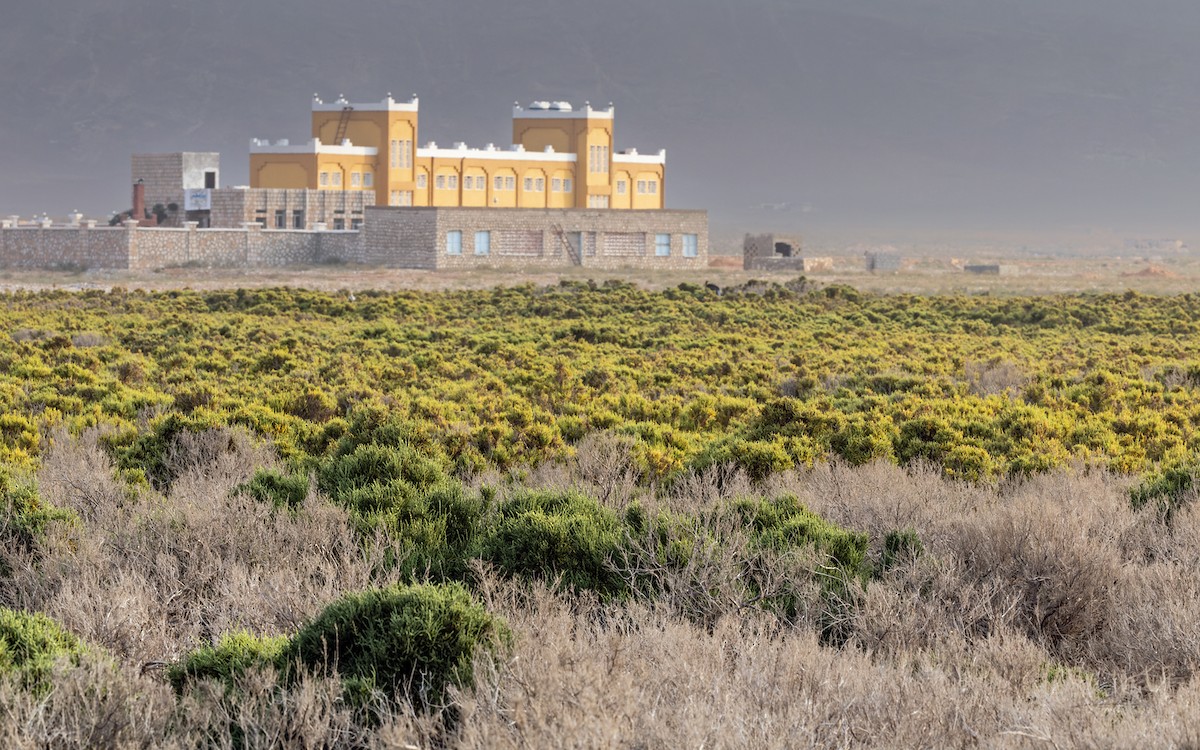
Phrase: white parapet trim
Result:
[388,104]
[633,157]
[562,111]
[513,153]
[314,146]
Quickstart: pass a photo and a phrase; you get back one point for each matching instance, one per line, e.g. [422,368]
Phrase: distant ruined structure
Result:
[883,260]
[777,252]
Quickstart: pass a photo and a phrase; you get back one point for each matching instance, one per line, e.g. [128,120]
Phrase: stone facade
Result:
[442,238]
[290,209]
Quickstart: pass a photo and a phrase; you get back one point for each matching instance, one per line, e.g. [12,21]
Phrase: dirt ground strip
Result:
[922,276]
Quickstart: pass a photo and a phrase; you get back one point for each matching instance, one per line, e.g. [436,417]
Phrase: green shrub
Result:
[283,490]
[1169,490]
[409,642]
[758,458]
[436,530]
[150,452]
[898,546]
[24,518]
[549,535]
[784,523]
[31,644]
[371,476]
[233,655]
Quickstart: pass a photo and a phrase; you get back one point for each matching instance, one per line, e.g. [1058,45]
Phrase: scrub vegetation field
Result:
[592,515]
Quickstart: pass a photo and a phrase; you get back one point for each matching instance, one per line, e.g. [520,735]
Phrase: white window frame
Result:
[555,185]
[662,245]
[483,243]
[368,179]
[452,182]
[355,179]
[454,242]
[539,185]
[422,180]
[336,178]
[622,187]
[691,245]
[324,181]
[439,182]
[510,183]
[652,186]
[566,184]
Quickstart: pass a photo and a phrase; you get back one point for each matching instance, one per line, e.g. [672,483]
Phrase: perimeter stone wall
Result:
[130,247]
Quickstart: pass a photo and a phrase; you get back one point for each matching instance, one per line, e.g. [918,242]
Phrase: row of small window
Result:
[483,244]
[454,238]
[644,187]
[357,179]
[499,183]
[281,220]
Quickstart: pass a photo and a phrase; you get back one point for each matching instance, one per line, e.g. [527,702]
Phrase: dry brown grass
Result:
[150,577]
[1043,613]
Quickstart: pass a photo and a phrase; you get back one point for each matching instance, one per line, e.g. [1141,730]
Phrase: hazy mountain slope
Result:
[922,112]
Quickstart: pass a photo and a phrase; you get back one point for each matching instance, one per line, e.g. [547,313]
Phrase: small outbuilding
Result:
[778,252]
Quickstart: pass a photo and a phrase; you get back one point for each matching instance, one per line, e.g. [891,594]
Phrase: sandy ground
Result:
[1175,275]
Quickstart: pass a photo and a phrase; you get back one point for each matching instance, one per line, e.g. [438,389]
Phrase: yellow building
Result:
[562,157]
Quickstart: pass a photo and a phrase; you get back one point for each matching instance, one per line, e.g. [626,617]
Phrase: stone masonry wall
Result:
[527,238]
[400,238]
[130,247]
[63,247]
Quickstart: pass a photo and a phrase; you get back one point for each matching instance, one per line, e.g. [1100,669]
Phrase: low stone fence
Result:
[130,247]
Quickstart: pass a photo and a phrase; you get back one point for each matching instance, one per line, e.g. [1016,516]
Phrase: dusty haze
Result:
[821,116]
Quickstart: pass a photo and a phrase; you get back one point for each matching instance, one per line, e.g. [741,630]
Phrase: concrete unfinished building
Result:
[779,252]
